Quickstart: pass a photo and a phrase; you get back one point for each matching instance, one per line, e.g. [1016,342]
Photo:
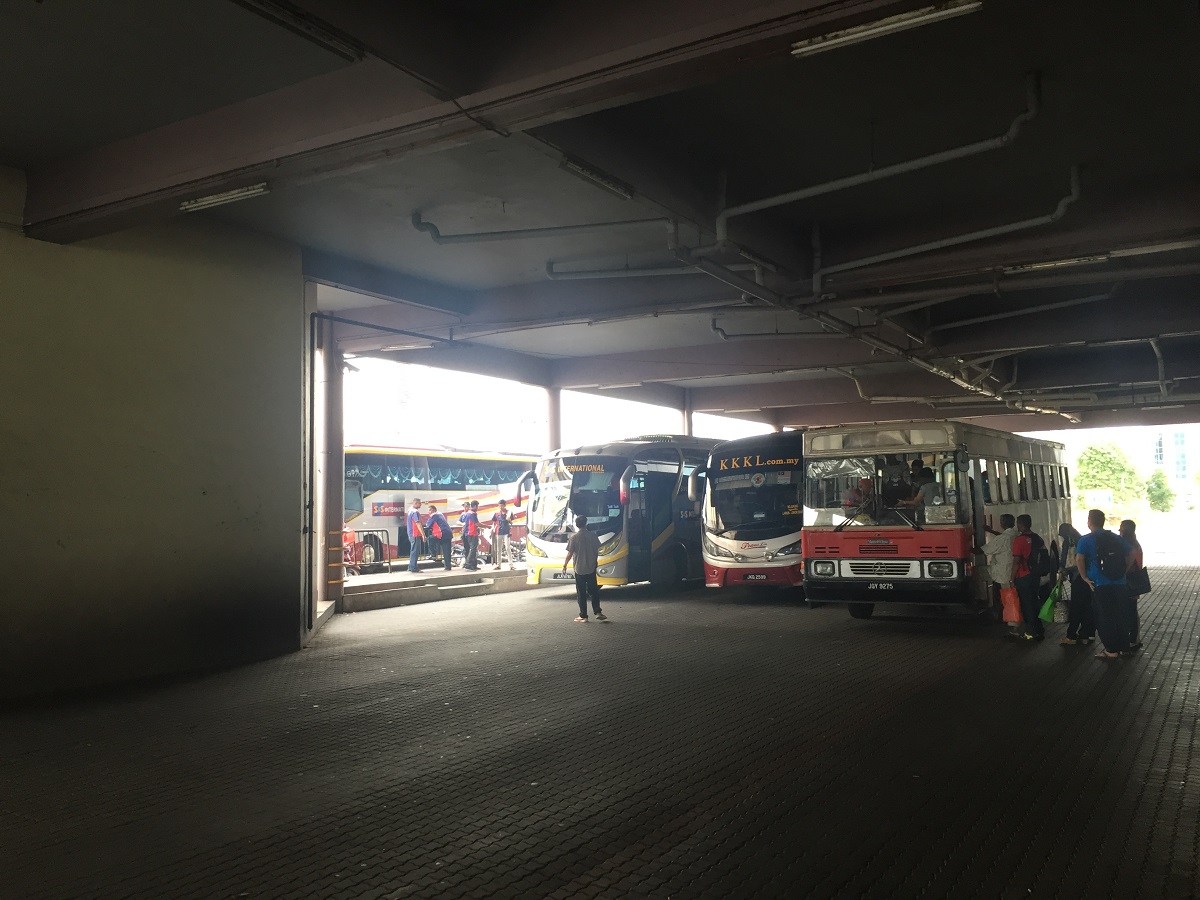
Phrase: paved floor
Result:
[696,745]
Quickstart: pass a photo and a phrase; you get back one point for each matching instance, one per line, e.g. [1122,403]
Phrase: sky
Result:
[417,406]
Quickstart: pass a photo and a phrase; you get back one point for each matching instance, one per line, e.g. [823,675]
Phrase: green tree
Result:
[1159,493]
[1107,468]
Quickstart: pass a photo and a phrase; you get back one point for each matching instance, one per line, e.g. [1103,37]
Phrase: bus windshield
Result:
[754,505]
[577,486]
[899,489]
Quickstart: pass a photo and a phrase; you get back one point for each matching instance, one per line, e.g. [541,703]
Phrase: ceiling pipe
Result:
[971,236]
[648,272]
[925,297]
[761,291]
[1162,369]
[772,335]
[1032,105]
[523,233]
[1014,313]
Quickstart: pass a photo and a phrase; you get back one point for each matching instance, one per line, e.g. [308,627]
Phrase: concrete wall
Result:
[151,460]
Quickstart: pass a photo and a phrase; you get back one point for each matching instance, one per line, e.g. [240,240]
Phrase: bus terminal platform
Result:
[697,744]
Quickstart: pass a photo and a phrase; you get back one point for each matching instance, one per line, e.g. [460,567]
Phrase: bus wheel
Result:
[861,610]
[372,552]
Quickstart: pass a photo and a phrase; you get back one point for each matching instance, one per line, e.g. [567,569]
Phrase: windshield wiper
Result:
[854,515]
[907,520]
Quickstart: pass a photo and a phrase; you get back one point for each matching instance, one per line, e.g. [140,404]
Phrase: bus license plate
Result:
[755,576]
[880,586]
[564,576]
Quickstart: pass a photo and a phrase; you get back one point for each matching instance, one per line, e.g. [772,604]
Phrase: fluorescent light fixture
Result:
[224,197]
[891,25]
[598,178]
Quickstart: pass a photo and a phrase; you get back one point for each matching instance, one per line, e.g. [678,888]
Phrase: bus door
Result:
[638,532]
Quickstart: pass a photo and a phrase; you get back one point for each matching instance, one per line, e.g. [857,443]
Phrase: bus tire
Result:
[372,553]
[861,610]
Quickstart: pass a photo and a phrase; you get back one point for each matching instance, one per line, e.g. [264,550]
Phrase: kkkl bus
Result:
[634,495]
[382,482]
[753,491]
[870,539]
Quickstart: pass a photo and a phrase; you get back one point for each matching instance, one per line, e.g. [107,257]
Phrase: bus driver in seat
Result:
[860,501]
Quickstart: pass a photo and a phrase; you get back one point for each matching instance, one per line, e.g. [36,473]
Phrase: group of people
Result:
[1096,567]
[436,536]
[916,492]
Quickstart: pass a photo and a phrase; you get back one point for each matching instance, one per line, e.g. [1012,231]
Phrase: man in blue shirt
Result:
[416,535]
[1110,591]
[440,535]
[470,536]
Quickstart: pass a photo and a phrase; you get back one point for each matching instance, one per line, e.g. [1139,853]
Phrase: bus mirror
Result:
[626,478]
[961,459]
[694,484]
[529,476]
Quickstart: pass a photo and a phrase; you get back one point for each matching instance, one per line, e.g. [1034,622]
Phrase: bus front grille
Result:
[881,568]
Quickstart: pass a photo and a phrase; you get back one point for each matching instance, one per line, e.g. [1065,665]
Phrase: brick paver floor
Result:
[697,745]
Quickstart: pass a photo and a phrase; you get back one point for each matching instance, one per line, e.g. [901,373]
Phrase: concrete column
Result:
[554,418]
[335,465]
[686,412]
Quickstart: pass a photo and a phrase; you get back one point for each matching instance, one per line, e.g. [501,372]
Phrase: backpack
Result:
[1040,561]
[1110,559]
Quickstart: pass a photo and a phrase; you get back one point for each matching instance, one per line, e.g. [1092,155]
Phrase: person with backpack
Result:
[1128,530]
[1031,562]
[1103,558]
[440,534]
[1081,619]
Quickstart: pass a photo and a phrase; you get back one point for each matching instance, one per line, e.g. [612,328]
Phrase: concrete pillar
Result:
[686,412]
[335,465]
[554,418]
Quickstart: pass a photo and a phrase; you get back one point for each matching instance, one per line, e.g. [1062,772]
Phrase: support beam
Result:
[573,63]
[553,419]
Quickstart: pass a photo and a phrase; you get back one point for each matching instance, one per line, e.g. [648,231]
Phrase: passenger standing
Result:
[1129,532]
[470,521]
[441,533]
[462,527]
[1081,616]
[998,551]
[416,536]
[501,529]
[1025,578]
[1103,558]
[584,547]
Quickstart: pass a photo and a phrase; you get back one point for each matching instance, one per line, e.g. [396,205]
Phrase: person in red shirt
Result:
[1025,581]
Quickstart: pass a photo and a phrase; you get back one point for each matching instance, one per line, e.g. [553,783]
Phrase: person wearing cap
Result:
[440,533]
[501,529]
[470,536]
[416,536]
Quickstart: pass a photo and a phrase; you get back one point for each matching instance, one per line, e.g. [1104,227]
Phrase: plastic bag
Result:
[1046,614]
[1010,604]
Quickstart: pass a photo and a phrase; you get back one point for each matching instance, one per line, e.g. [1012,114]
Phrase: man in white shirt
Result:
[998,551]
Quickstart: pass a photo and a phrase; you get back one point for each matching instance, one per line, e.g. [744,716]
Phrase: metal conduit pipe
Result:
[648,272]
[521,233]
[1014,313]
[1059,211]
[764,293]
[772,335]
[1032,105]
[925,297]
[1162,369]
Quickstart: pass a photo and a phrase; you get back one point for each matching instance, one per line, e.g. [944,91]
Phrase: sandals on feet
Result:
[581,618]
[1104,654]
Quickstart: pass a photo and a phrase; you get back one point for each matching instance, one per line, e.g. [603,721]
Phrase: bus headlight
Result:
[790,550]
[534,550]
[711,548]
[941,569]
[824,567]
[610,546]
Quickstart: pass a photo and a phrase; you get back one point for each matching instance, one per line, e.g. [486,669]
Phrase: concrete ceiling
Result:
[1054,273]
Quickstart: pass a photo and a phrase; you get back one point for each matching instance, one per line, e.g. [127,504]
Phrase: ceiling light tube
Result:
[882,27]
[224,197]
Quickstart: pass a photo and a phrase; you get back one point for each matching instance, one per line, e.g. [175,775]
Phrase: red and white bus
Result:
[868,540]
[382,482]
[753,511]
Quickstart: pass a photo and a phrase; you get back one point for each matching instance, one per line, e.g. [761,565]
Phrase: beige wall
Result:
[151,455]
